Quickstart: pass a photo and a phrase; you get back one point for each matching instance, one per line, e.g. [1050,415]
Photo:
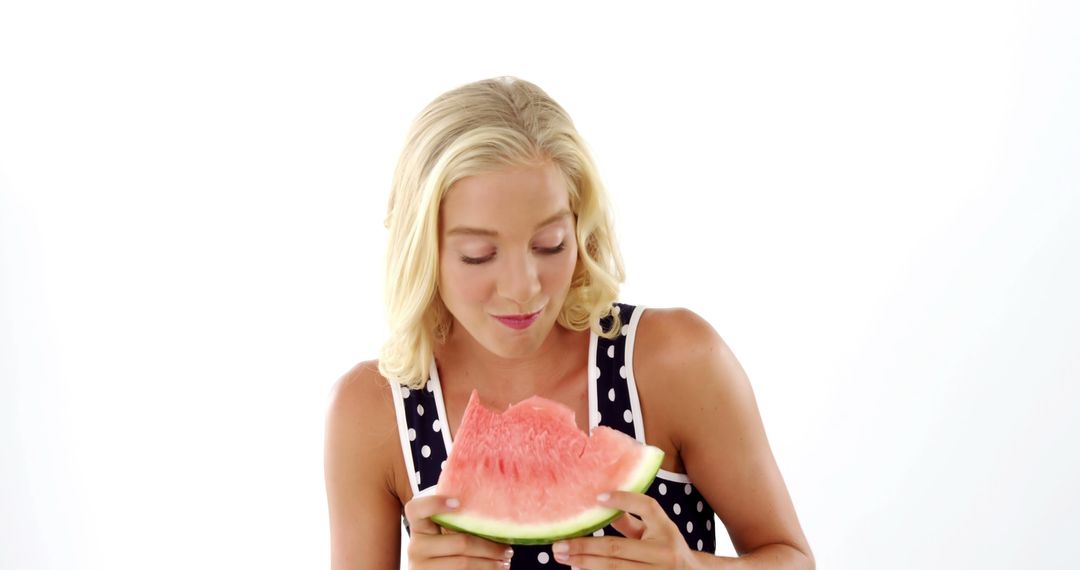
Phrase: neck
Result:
[509,380]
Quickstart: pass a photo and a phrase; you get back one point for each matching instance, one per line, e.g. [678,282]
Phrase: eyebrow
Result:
[462,230]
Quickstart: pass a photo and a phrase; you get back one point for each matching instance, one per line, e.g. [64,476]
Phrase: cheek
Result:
[460,282]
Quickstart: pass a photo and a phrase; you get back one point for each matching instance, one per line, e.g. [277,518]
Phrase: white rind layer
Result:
[588,520]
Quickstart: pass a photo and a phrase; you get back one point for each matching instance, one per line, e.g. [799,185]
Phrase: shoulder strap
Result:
[612,386]
[419,429]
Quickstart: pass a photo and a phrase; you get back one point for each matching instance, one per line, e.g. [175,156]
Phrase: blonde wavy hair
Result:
[476,128]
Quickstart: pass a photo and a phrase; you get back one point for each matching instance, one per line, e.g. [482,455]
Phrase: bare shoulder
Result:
[361,409]
[671,335]
[361,447]
[677,346]
[362,389]
[678,358]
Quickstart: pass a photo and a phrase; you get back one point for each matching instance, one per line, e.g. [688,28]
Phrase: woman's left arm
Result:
[709,411]
[723,445]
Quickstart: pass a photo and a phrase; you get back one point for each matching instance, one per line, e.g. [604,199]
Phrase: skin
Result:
[697,403]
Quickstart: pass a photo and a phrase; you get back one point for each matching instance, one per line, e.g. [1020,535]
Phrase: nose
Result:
[519,280]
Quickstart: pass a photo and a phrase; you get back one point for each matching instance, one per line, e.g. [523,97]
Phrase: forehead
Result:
[509,200]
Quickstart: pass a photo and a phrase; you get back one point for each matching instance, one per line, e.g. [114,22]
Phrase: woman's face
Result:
[507,247]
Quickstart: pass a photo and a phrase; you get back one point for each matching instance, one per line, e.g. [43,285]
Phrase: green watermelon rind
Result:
[587,522]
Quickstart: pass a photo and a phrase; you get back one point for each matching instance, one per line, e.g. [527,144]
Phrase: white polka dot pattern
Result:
[425,444]
[542,558]
[694,525]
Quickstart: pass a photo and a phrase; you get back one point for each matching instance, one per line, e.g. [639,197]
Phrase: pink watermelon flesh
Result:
[530,476]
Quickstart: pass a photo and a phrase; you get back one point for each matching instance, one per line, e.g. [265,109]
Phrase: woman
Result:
[502,276]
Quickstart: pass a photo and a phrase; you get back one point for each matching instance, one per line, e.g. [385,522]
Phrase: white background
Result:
[875,204]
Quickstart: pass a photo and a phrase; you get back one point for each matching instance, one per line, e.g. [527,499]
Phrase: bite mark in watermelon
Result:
[530,476]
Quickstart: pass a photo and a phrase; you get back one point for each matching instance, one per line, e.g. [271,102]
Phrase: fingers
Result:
[603,553]
[457,563]
[458,545]
[432,547]
[651,542]
[585,562]
[629,526]
[637,550]
[639,504]
[419,510]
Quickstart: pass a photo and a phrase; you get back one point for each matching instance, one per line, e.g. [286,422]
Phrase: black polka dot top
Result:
[613,402]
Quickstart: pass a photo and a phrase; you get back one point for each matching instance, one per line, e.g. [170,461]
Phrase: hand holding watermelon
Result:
[528,475]
[653,541]
[432,547]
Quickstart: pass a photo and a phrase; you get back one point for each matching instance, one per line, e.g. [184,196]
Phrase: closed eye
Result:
[543,250]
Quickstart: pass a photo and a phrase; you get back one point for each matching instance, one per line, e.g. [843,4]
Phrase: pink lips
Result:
[518,321]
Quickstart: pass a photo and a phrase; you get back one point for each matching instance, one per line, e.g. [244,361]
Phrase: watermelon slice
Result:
[530,476]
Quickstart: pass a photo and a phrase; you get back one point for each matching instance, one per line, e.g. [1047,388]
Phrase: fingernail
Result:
[508,554]
[453,503]
[603,497]
[560,548]
[505,564]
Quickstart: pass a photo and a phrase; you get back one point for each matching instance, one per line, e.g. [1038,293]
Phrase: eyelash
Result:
[481,260]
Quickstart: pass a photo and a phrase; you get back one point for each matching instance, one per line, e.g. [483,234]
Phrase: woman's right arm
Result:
[361,439]
[362,446]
